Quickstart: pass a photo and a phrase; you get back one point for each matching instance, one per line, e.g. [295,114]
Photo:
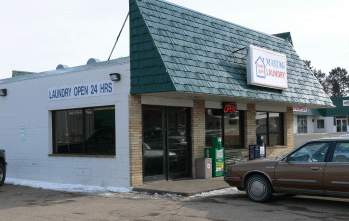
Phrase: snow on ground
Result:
[111,191]
[65,187]
[140,195]
[231,190]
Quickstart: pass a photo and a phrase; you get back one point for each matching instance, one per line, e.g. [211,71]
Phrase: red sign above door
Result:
[229,108]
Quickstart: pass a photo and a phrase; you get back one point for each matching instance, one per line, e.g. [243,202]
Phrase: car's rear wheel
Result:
[258,188]
[2,174]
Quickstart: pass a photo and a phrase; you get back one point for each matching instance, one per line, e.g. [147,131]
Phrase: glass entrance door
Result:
[178,151]
[302,124]
[342,125]
[153,144]
[166,152]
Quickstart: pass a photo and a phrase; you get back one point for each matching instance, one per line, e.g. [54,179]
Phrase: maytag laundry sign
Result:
[81,90]
[266,68]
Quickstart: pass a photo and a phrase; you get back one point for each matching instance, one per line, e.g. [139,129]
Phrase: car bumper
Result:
[233,181]
[5,166]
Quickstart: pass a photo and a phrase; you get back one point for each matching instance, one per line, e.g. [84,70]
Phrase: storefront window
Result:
[232,128]
[232,131]
[275,130]
[262,125]
[213,125]
[269,125]
[88,131]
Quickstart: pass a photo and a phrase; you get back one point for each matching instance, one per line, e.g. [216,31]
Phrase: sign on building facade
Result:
[81,90]
[300,109]
[266,68]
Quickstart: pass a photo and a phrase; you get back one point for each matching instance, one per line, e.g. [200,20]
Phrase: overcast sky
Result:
[37,35]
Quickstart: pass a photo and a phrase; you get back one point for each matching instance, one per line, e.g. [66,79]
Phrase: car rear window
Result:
[341,153]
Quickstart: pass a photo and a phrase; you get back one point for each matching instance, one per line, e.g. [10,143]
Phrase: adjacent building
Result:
[329,120]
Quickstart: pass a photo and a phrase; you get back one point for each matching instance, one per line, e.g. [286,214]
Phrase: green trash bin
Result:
[217,154]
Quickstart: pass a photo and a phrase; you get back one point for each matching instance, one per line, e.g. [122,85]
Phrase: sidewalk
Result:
[188,187]
[184,187]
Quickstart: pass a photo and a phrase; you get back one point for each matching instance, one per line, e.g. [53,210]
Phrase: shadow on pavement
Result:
[280,207]
[12,196]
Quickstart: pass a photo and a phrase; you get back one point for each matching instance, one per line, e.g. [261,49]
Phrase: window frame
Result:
[53,116]
[281,117]
[333,148]
[328,157]
[308,144]
[241,126]
[323,124]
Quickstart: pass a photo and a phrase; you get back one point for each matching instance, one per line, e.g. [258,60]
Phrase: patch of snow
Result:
[107,194]
[118,189]
[65,187]
[231,190]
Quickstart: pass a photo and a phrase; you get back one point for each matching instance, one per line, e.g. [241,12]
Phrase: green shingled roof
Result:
[177,49]
[286,36]
[339,110]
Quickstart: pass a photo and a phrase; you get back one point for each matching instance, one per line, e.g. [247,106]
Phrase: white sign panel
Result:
[220,154]
[300,109]
[345,103]
[266,68]
[81,90]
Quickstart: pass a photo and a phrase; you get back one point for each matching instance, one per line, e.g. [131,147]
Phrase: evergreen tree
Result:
[338,80]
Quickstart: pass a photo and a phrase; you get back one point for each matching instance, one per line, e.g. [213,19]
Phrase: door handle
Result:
[315,168]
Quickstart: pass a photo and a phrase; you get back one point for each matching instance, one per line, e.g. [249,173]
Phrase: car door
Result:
[336,177]
[302,171]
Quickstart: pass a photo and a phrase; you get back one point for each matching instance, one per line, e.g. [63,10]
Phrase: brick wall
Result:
[250,125]
[288,129]
[197,132]
[135,134]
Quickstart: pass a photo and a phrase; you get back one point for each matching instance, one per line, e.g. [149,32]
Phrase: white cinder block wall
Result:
[295,124]
[27,105]
[329,127]
[310,124]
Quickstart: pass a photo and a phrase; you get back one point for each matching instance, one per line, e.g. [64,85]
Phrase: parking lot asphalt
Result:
[24,203]
[300,139]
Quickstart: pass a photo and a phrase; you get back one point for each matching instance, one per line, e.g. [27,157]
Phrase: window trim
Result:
[54,151]
[328,157]
[311,143]
[282,130]
[241,126]
[317,123]
[331,152]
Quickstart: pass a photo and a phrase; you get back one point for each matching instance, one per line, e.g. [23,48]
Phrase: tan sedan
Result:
[319,167]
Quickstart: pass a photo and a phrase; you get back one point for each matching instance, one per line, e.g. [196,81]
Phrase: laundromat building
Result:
[149,116]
